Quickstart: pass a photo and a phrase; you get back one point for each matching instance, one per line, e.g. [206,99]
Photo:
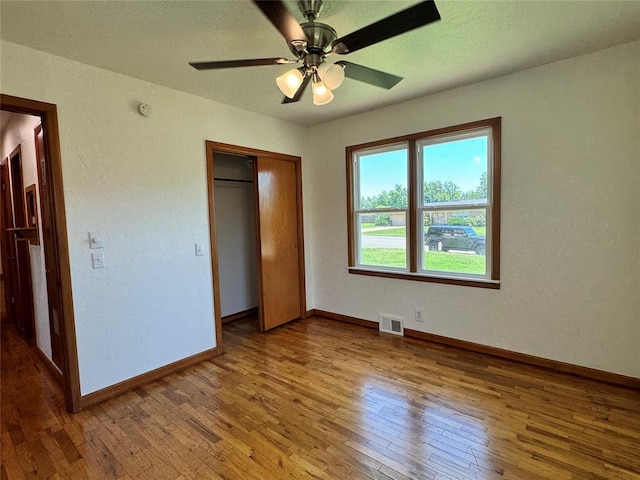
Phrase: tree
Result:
[434,192]
[452,191]
[396,198]
[441,192]
[482,189]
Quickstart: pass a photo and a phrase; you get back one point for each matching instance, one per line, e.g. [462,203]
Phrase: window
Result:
[426,206]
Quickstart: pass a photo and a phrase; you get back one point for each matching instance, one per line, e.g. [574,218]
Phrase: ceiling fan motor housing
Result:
[320,38]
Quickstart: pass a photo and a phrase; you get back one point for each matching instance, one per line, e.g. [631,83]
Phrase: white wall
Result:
[142,182]
[570,214]
[236,235]
[19,131]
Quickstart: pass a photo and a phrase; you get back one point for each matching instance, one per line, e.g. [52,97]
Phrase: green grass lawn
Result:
[438,261]
[388,232]
[368,225]
[384,257]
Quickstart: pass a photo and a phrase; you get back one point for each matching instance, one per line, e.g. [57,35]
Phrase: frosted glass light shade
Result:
[321,94]
[290,82]
[331,74]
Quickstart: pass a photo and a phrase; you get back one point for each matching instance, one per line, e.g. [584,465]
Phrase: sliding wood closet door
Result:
[279,224]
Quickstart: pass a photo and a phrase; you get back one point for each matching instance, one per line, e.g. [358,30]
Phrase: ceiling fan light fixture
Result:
[331,74]
[290,82]
[321,94]
[311,42]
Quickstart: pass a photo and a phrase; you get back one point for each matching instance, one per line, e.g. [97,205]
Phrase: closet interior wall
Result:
[236,233]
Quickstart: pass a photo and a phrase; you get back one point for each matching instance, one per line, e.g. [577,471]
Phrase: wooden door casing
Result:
[7,243]
[53,173]
[279,243]
[23,289]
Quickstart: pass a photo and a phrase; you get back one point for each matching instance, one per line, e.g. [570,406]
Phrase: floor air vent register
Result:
[391,324]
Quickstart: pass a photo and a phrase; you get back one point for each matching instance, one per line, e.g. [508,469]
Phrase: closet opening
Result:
[235,211]
[257,240]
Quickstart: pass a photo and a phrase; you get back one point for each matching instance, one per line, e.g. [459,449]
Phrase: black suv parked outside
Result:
[453,237]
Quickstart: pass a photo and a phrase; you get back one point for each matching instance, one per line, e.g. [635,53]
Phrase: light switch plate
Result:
[199,250]
[95,240]
[97,259]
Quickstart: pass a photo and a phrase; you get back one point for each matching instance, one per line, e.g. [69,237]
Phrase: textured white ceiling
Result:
[155,40]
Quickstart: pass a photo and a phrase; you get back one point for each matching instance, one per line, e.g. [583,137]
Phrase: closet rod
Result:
[232,180]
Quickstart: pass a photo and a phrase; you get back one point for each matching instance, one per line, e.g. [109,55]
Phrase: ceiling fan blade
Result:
[369,75]
[255,62]
[279,15]
[300,91]
[413,17]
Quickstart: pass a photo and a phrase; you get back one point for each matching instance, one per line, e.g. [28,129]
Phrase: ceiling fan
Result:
[312,42]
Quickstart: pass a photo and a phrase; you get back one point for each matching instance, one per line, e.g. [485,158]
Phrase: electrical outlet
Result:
[419,315]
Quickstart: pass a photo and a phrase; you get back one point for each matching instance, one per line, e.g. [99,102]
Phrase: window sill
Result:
[419,277]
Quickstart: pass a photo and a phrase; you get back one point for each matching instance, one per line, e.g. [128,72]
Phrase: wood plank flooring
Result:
[318,399]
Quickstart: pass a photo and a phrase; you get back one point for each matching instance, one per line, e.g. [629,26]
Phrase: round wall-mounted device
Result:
[144,109]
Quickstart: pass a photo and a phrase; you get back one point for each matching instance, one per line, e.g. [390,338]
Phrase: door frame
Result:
[54,305]
[48,114]
[7,246]
[217,147]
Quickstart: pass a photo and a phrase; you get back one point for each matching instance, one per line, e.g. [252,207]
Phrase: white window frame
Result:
[357,211]
[467,205]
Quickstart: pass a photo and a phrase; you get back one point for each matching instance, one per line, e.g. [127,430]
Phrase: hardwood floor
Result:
[318,399]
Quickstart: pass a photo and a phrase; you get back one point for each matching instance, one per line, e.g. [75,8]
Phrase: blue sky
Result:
[461,162]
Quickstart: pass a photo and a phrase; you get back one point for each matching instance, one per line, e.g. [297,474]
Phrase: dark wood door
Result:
[279,242]
[50,253]
[23,289]
[7,243]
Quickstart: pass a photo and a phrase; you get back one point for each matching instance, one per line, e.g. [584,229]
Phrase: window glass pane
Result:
[455,171]
[383,239]
[455,241]
[383,179]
